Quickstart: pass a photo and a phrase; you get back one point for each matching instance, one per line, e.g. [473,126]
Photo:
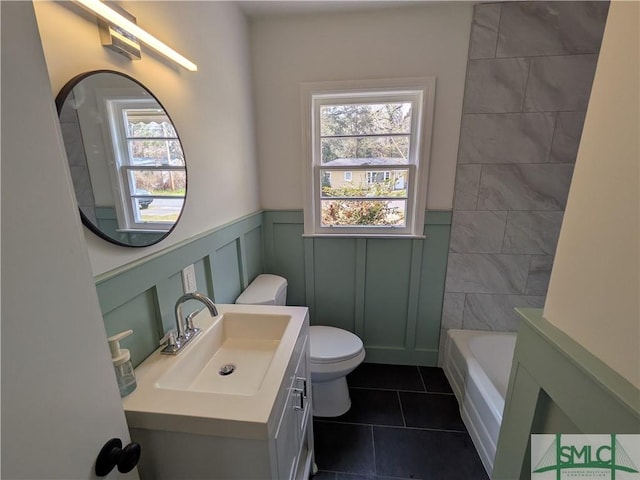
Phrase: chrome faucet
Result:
[186,330]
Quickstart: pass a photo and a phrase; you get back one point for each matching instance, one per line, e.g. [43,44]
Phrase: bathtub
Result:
[477,365]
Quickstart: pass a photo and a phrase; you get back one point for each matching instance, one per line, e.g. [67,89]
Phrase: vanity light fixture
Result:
[107,14]
[118,39]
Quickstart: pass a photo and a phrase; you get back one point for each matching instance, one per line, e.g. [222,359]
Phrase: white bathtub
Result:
[478,364]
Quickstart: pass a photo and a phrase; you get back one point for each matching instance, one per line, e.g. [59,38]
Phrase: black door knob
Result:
[113,454]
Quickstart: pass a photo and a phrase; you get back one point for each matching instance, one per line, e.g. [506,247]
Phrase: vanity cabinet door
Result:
[302,384]
[287,438]
[291,432]
[303,417]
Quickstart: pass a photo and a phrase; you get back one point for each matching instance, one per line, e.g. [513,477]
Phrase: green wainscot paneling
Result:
[387,291]
[227,273]
[285,251]
[558,387]
[252,252]
[432,272]
[138,314]
[142,295]
[334,282]
[387,283]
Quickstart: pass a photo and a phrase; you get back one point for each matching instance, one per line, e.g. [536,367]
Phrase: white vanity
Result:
[193,419]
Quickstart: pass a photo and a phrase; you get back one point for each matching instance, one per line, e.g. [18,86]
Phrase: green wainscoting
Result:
[387,291]
[142,295]
[558,387]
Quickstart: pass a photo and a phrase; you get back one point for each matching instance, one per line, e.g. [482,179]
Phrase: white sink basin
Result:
[186,393]
[243,342]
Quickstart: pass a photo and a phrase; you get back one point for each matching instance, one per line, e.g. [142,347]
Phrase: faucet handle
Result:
[189,320]
[170,338]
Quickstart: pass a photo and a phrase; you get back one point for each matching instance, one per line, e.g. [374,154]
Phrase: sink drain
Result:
[227,369]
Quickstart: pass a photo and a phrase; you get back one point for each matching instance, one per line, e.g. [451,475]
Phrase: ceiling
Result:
[265,8]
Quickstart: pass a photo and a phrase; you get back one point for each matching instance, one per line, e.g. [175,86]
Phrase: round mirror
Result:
[125,157]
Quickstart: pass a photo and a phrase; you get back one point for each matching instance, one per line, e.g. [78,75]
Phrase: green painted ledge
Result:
[591,366]
[558,386]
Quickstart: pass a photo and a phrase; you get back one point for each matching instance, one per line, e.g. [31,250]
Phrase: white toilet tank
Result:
[265,289]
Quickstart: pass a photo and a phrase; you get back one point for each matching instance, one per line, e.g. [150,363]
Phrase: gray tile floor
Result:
[404,423]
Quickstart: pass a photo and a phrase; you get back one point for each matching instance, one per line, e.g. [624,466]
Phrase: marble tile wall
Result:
[529,76]
[72,134]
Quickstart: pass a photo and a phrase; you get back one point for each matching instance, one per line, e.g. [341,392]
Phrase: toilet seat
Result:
[333,345]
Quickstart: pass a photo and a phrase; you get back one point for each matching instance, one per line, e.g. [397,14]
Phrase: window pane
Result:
[365,119]
[158,182]
[387,150]
[156,152]
[364,183]
[363,213]
[148,123]
[158,210]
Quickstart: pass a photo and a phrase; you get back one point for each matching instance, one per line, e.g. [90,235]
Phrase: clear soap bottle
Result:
[121,359]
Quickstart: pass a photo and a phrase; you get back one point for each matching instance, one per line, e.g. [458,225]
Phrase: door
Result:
[60,402]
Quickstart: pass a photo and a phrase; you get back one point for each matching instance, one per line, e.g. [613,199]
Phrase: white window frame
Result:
[421,93]
[113,106]
[348,176]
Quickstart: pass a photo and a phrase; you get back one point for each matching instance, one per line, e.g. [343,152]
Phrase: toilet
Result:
[334,352]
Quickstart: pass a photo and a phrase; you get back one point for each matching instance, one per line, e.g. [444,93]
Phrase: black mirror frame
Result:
[60,100]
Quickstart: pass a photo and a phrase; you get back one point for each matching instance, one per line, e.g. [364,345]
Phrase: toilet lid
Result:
[330,344]
[264,290]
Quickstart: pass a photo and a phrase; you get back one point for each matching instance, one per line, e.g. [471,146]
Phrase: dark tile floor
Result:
[404,423]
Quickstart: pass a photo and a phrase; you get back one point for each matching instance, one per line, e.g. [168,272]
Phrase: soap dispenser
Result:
[121,359]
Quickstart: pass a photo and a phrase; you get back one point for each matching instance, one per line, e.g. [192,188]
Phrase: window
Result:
[150,172]
[379,177]
[375,136]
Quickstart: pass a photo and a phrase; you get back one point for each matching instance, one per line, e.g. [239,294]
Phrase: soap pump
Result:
[121,359]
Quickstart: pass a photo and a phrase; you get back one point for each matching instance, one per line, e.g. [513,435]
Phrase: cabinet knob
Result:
[113,454]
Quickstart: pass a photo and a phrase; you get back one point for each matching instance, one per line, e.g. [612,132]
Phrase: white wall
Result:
[400,42]
[211,108]
[60,401]
[595,284]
